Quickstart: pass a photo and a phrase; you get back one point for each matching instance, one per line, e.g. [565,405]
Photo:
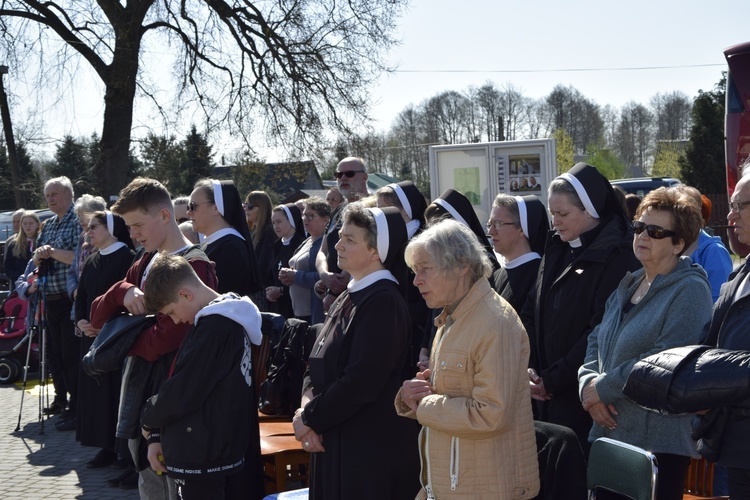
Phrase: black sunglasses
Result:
[193,205]
[653,231]
[348,173]
[248,206]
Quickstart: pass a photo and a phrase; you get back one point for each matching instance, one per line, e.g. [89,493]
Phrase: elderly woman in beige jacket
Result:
[477,439]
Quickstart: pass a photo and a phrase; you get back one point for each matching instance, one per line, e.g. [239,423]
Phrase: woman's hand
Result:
[602,414]
[311,441]
[536,384]
[412,391]
[286,276]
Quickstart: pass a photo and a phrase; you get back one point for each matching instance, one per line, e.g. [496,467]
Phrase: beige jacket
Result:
[477,440]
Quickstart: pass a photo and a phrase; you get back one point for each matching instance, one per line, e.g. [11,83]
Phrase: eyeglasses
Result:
[653,231]
[309,216]
[192,205]
[248,206]
[348,173]
[737,206]
[497,224]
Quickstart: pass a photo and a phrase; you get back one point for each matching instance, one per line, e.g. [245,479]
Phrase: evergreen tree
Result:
[197,163]
[703,163]
[161,157]
[72,160]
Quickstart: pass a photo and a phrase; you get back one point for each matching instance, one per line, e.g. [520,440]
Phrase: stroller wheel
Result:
[9,369]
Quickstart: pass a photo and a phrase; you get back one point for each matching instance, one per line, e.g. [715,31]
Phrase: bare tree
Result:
[488,102]
[635,135]
[512,104]
[671,115]
[293,67]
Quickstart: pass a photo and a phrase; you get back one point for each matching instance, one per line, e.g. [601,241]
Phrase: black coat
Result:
[98,399]
[729,327]
[205,408]
[235,267]
[355,371]
[571,293]
[515,284]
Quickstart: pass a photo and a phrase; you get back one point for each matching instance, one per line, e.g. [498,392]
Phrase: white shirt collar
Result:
[221,233]
[112,248]
[411,227]
[383,274]
[522,259]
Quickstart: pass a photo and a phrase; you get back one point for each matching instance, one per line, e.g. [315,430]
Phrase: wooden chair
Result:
[621,468]
[700,480]
[283,460]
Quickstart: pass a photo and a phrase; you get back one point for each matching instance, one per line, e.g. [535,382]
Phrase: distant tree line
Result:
[672,136]
[667,137]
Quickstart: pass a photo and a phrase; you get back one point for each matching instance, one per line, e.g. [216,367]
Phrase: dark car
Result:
[642,185]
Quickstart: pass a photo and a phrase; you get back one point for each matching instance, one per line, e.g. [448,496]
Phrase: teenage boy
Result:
[200,420]
[146,206]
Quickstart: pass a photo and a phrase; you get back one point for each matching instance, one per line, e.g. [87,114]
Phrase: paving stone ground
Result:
[49,464]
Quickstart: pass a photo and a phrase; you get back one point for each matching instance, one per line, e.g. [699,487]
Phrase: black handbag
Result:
[111,346]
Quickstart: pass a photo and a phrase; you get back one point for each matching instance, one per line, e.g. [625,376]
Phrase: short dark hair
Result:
[684,211]
[357,214]
[318,204]
[167,274]
[143,194]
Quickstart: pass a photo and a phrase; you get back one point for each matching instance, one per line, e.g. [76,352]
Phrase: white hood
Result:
[239,309]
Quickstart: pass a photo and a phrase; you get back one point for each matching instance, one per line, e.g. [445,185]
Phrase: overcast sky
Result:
[450,45]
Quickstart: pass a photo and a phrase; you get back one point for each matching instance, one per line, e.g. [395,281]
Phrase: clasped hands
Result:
[602,413]
[311,441]
[412,391]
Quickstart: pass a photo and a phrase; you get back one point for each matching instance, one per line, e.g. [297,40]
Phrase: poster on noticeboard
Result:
[483,170]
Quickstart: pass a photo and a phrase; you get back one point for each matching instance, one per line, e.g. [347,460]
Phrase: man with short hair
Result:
[54,254]
[728,329]
[351,177]
[146,207]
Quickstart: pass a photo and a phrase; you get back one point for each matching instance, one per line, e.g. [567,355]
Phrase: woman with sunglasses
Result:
[583,262]
[661,306]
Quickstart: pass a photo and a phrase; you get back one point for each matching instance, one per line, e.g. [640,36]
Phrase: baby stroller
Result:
[14,338]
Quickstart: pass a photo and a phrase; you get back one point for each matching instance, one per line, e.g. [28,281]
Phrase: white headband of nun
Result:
[110,222]
[451,210]
[289,216]
[381,225]
[219,197]
[582,194]
[523,215]
[402,198]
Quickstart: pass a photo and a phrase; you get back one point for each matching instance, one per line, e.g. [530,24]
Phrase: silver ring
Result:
[307,443]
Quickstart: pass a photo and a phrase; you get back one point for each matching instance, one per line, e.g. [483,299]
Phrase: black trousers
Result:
[739,483]
[65,347]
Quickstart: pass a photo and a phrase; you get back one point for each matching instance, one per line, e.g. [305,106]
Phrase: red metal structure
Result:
[737,123]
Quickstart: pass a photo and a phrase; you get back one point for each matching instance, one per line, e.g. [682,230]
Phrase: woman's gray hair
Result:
[451,245]
[561,186]
[509,202]
[88,204]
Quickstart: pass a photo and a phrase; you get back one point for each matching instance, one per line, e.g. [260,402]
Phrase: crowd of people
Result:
[456,358]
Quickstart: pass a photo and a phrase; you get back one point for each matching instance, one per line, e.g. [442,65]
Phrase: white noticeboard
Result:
[482,171]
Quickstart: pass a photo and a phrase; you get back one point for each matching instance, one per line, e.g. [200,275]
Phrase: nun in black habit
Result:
[216,211]
[289,228]
[584,261]
[518,227]
[360,447]
[99,398]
